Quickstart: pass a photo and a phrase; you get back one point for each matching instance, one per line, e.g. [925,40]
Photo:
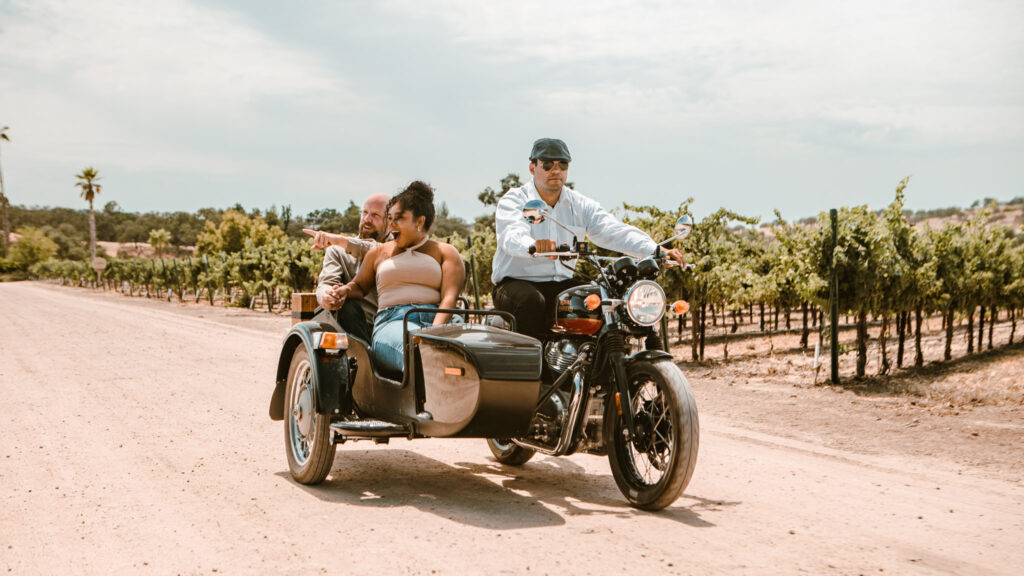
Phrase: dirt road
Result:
[136,440]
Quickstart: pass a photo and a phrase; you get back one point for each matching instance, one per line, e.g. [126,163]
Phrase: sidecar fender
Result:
[329,371]
[648,355]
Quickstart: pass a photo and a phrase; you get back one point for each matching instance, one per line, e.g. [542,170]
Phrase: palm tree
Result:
[87,182]
[159,239]
[3,203]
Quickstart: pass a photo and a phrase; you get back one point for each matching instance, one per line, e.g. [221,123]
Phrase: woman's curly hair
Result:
[418,197]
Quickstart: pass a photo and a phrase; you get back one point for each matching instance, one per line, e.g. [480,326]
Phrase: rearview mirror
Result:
[535,211]
[682,228]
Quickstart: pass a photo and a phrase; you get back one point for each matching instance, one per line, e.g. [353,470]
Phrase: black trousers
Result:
[532,303]
[353,319]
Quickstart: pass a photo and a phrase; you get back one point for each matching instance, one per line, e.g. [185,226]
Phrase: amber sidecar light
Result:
[333,341]
[680,307]
[592,302]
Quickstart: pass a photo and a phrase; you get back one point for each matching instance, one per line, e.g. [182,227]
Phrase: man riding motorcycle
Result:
[527,286]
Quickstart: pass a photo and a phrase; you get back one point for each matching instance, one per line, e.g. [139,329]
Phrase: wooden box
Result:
[304,304]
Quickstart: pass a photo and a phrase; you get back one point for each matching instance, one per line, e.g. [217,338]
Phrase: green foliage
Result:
[159,239]
[477,250]
[235,232]
[885,265]
[446,225]
[31,248]
[659,224]
[279,267]
[331,220]
[489,197]
[792,268]
[70,242]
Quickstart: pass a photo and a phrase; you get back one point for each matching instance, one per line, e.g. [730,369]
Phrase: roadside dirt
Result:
[136,440]
[969,410]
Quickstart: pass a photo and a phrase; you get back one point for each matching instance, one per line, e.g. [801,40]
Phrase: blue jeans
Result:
[388,346]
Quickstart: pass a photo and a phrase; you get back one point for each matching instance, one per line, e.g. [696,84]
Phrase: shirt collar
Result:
[534,194]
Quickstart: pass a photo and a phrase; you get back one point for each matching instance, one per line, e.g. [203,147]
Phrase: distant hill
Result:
[1010,214]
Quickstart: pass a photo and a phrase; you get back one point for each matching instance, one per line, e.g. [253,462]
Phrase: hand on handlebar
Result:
[674,254]
[541,246]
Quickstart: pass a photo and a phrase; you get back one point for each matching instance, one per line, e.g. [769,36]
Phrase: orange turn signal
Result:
[592,302]
[333,341]
[454,371]
[680,307]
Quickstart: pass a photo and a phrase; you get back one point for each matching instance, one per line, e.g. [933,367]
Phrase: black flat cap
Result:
[550,149]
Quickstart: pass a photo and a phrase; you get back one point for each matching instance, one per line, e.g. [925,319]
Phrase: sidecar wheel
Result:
[653,469]
[509,453]
[307,435]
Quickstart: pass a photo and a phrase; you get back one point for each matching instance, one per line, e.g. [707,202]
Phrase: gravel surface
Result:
[137,441]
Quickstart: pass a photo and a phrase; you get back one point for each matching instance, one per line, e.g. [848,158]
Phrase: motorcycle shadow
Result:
[485,495]
[563,484]
[398,478]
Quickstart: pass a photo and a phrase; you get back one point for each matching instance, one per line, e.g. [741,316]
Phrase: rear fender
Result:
[329,372]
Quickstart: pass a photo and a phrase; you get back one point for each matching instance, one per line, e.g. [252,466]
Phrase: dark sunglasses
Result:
[549,164]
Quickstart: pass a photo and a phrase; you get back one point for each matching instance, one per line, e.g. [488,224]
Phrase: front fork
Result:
[623,403]
[615,348]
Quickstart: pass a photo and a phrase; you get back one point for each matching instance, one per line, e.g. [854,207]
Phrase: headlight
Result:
[645,303]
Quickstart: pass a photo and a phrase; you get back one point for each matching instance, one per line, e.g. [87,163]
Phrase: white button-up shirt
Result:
[583,216]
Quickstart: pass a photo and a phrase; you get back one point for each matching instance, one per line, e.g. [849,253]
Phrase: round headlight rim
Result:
[629,309]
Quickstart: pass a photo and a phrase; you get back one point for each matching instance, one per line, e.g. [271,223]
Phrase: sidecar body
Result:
[461,380]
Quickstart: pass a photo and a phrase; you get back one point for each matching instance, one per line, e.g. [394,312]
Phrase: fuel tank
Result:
[572,315]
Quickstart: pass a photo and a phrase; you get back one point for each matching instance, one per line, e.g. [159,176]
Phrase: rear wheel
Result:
[653,468]
[307,435]
[508,452]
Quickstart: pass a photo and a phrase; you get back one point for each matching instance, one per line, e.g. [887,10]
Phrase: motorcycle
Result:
[597,383]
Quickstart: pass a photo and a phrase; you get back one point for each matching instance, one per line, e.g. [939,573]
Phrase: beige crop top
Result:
[409,278]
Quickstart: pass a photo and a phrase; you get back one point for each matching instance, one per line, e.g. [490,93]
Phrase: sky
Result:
[799,106]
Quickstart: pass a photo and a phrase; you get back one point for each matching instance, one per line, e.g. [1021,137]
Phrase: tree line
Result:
[890,273]
[69,228]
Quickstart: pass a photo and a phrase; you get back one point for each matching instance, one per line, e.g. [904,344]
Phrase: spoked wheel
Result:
[508,452]
[307,435]
[653,469]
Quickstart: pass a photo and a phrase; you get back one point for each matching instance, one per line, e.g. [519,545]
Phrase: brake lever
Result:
[669,263]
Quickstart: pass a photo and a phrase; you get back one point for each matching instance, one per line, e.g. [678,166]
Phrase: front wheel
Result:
[507,452]
[307,435]
[653,469]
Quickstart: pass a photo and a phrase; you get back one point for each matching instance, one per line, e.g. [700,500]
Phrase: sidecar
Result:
[464,380]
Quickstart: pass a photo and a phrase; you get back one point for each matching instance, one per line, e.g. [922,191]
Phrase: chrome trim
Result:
[629,311]
[568,421]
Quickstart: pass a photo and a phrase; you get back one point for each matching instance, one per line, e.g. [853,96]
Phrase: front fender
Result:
[649,355]
[329,372]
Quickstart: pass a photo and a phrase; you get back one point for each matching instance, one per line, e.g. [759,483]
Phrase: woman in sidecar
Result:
[426,377]
[409,271]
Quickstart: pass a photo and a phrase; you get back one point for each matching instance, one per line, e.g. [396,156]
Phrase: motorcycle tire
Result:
[653,468]
[307,435]
[509,453]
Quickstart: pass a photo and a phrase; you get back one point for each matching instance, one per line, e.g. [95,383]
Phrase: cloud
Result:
[151,85]
[911,74]
[170,55]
